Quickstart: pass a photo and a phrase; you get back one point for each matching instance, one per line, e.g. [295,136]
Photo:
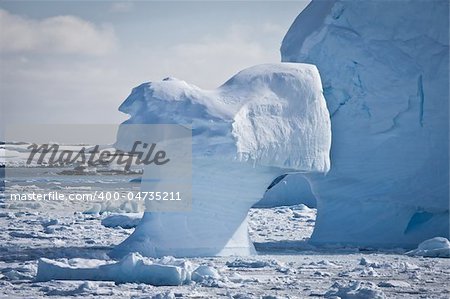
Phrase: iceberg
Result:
[385,71]
[435,247]
[265,121]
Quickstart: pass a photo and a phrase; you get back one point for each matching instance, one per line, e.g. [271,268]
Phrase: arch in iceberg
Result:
[265,121]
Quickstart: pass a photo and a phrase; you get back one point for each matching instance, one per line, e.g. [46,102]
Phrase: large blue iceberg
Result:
[385,72]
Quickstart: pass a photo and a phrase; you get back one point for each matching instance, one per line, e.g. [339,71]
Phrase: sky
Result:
[76,61]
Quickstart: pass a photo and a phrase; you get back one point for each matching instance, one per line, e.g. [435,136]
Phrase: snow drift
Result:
[265,121]
[385,72]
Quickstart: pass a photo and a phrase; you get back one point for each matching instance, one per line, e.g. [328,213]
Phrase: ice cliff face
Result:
[385,72]
[265,121]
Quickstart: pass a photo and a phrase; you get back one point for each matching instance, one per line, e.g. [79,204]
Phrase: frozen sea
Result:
[286,266]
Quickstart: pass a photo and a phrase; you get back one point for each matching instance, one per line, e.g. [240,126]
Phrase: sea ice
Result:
[203,272]
[355,290]
[132,268]
[435,247]
[128,220]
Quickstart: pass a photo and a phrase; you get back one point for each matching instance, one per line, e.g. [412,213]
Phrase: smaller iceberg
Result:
[266,121]
[434,247]
[132,268]
[125,220]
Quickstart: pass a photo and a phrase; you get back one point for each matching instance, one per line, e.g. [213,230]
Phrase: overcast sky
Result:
[75,61]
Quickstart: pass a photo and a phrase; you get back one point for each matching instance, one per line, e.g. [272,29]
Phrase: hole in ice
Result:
[287,221]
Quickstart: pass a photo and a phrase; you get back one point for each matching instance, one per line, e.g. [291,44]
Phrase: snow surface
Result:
[265,121]
[286,267]
[356,290]
[385,72]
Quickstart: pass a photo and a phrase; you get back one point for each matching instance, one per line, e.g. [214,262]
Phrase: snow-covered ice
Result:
[355,290]
[283,268]
[132,268]
[385,71]
[127,220]
[270,114]
[435,247]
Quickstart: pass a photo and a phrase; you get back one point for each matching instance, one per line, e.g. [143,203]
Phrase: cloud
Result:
[55,89]
[271,28]
[122,7]
[59,34]
[210,60]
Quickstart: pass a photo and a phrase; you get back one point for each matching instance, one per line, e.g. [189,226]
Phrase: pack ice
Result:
[131,268]
[385,72]
[265,121]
